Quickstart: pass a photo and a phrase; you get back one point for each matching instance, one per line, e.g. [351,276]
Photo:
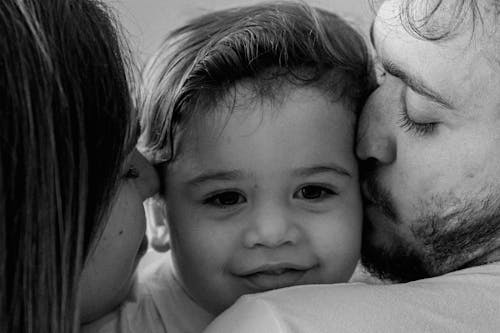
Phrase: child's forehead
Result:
[266,95]
[291,111]
[248,97]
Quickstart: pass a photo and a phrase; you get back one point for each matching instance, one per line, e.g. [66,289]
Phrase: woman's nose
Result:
[148,182]
[271,226]
[376,139]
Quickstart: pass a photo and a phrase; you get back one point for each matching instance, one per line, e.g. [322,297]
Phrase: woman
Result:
[71,183]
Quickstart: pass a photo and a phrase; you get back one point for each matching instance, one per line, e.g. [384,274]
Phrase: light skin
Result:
[265,197]
[429,136]
[109,274]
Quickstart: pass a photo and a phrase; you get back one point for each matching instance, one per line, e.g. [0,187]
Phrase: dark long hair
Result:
[65,116]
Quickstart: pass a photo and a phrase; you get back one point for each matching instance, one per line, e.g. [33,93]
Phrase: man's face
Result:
[430,140]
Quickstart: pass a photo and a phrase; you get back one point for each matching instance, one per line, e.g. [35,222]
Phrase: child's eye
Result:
[223,199]
[131,173]
[314,192]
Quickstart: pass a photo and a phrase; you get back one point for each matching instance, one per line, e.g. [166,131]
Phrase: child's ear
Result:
[158,233]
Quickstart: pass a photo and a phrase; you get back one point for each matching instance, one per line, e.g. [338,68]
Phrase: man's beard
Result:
[449,233]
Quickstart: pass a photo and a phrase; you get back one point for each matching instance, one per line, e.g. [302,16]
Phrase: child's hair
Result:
[198,64]
[65,130]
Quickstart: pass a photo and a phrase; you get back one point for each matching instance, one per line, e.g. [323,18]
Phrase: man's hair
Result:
[422,17]
[199,63]
[65,115]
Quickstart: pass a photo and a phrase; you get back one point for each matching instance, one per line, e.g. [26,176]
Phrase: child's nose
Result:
[271,227]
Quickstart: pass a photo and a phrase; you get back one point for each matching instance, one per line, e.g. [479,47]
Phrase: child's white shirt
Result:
[160,305]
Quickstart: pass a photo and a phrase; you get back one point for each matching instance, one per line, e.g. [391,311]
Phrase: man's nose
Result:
[376,139]
[271,226]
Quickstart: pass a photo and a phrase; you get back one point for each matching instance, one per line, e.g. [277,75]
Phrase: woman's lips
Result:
[143,248]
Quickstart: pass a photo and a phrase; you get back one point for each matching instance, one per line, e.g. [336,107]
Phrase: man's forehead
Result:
[481,37]
[387,24]
[470,21]
[416,18]
[459,70]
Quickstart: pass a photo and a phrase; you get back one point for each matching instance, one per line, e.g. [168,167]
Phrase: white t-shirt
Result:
[160,305]
[463,301]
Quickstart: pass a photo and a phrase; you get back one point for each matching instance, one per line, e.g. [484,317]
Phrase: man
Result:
[429,137]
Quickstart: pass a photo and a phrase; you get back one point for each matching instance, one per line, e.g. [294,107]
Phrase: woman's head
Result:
[67,125]
[108,274]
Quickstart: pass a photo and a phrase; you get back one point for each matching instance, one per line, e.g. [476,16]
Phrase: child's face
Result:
[267,198]
[109,273]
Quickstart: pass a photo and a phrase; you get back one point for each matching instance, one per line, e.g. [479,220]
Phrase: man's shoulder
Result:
[440,293]
[462,301]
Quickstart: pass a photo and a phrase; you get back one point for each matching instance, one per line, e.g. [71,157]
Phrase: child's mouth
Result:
[275,277]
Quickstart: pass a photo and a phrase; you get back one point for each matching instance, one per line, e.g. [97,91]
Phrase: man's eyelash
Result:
[408,125]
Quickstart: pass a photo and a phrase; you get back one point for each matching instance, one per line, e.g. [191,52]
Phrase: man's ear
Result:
[156,215]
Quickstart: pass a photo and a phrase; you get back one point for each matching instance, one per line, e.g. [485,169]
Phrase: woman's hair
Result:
[198,64]
[65,129]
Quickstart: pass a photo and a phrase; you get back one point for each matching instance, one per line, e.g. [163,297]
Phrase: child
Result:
[250,115]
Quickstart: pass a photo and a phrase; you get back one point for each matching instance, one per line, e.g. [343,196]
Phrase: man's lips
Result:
[486,257]
[273,276]
[376,197]
[367,194]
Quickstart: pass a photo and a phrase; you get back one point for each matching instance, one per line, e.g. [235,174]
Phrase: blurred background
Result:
[146,22]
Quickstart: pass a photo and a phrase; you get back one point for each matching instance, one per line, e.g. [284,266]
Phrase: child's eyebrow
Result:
[318,169]
[214,176]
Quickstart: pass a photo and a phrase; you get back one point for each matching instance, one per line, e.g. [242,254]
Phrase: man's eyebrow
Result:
[415,83]
[318,169]
[215,175]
